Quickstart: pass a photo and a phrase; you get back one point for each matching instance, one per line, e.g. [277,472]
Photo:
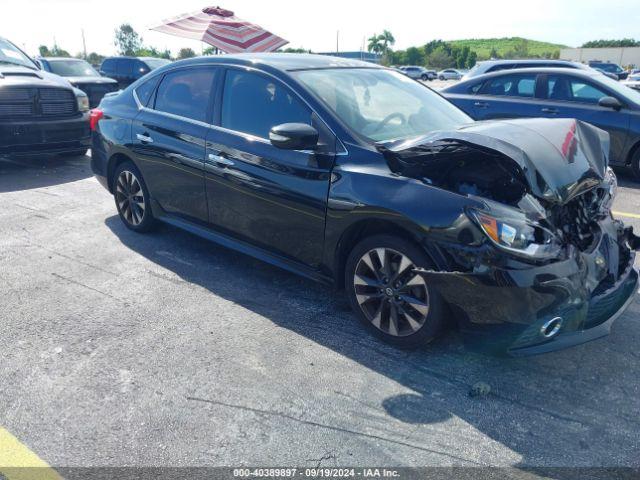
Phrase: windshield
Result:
[382,105]
[72,68]
[608,67]
[621,89]
[154,63]
[11,55]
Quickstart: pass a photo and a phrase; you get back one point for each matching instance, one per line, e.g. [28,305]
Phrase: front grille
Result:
[57,102]
[57,109]
[19,110]
[23,103]
[9,95]
[56,95]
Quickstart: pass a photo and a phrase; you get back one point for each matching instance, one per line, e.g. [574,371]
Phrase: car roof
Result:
[536,71]
[281,61]
[527,60]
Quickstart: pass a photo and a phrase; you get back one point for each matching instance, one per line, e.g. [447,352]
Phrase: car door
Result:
[510,95]
[570,96]
[272,198]
[169,139]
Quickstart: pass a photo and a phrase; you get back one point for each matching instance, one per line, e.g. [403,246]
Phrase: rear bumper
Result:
[507,309]
[40,136]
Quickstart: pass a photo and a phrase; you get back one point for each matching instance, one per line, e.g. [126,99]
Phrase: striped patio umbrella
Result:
[222,29]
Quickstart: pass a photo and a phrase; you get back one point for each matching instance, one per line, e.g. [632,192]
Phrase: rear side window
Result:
[511,85]
[144,91]
[254,103]
[124,67]
[187,93]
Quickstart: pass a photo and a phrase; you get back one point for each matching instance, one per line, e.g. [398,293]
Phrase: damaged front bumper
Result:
[527,310]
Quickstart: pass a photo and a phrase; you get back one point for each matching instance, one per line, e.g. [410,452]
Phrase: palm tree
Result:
[388,40]
[375,44]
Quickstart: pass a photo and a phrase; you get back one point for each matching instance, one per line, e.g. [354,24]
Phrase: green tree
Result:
[55,51]
[412,56]
[494,53]
[127,40]
[625,42]
[440,59]
[375,44]
[95,58]
[472,60]
[521,50]
[186,53]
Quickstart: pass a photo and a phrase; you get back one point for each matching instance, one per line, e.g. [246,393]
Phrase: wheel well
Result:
[114,161]
[358,232]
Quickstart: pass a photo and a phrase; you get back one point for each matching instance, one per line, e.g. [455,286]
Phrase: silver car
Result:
[449,74]
[418,73]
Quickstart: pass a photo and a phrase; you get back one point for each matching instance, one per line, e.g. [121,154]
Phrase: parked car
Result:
[490,66]
[127,70]
[558,93]
[632,81]
[81,75]
[417,211]
[39,112]
[419,73]
[611,68]
[449,74]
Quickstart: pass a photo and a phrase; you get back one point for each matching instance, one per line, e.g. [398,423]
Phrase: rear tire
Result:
[132,198]
[392,302]
[424,78]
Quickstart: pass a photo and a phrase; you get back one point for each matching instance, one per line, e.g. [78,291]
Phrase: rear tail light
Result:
[94,117]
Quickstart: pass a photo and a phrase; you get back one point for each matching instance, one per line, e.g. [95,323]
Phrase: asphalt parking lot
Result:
[164,349]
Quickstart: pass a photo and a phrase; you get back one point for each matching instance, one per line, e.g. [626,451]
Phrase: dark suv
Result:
[39,112]
[127,70]
[81,75]
[610,68]
[354,175]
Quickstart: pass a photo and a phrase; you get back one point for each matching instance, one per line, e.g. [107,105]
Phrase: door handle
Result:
[552,111]
[219,159]
[144,138]
[481,104]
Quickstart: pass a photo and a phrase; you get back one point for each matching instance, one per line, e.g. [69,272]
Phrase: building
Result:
[623,56]
[364,56]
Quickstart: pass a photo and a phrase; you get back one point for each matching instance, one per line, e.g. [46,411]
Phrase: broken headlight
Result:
[517,236]
[611,184]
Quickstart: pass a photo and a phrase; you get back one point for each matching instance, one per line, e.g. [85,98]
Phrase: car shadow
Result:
[576,407]
[26,173]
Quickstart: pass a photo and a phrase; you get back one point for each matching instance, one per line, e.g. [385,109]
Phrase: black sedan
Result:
[558,93]
[81,75]
[358,176]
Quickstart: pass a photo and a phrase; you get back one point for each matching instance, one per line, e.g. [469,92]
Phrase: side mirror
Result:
[610,102]
[294,136]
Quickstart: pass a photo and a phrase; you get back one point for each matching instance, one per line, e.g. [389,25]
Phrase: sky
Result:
[315,25]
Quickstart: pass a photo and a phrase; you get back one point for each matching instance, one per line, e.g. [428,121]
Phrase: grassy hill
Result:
[483,46]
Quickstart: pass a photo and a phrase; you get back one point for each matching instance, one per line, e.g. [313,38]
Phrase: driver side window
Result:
[253,103]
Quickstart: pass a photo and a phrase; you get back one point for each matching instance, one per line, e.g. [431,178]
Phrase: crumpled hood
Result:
[559,158]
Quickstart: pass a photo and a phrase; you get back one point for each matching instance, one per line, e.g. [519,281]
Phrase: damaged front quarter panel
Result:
[555,268]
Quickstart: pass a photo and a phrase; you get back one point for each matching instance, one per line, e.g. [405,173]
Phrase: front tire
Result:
[393,302]
[132,198]
[635,164]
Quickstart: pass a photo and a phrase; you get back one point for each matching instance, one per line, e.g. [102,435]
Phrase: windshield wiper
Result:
[9,62]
